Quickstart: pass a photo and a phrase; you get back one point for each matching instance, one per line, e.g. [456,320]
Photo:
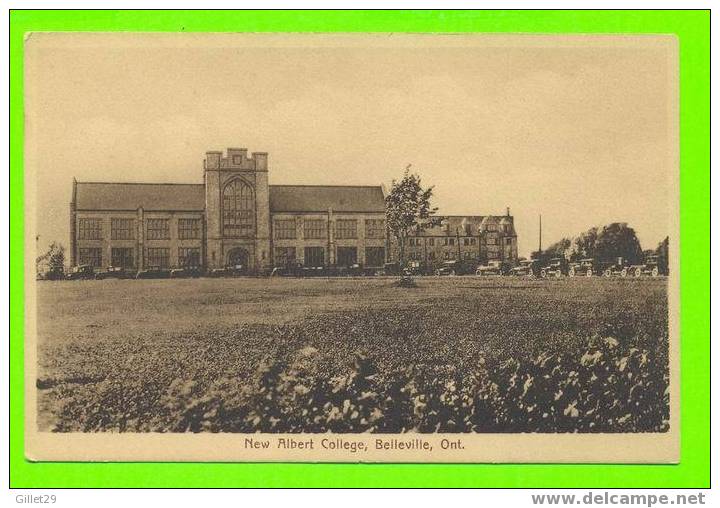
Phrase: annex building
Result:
[235,217]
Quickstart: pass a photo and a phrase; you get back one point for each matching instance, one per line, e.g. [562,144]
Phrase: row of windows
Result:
[125,257]
[449,255]
[124,229]
[315,256]
[316,229]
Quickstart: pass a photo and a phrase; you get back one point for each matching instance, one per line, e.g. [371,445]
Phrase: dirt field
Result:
[141,336]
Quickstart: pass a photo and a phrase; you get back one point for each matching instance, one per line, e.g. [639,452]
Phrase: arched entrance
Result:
[238,258]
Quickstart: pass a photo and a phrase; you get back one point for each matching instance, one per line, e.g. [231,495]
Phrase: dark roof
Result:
[319,198]
[131,196]
[181,196]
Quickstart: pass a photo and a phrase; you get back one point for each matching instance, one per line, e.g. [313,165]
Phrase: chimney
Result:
[507,211]
[260,159]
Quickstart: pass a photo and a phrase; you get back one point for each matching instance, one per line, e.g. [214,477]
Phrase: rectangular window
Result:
[158,257]
[452,241]
[189,257]
[431,242]
[445,241]
[345,229]
[158,229]
[122,229]
[90,229]
[508,241]
[284,256]
[284,229]
[374,228]
[472,241]
[346,256]
[374,256]
[188,229]
[466,241]
[314,256]
[314,229]
[492,240]
[123,257]
[468,255]
[90,256]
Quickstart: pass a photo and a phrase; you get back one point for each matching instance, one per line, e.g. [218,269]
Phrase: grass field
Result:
[130,355]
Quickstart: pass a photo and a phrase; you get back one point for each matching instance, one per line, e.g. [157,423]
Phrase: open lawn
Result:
[133,354]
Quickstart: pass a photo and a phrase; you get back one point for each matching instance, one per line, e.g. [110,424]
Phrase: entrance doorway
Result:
[238,258]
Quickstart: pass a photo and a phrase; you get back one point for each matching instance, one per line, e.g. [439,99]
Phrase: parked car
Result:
[228,271]
[556,267]
[185,272]
[584,267]
[56,273]
[415,267]
[617,268]
[454,267]
[114,272]
[153,272]
[491,268]
[526,268]
[392,268]
[651,267]
[81,272]
[289,270]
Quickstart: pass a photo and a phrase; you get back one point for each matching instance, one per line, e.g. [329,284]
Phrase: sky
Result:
[579,130]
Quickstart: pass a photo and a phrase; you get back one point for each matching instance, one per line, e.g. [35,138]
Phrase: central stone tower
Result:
[237,210]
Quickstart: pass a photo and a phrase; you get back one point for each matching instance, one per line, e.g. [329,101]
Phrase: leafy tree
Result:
[618,240]
[54,258]
[583,245]
[408,208]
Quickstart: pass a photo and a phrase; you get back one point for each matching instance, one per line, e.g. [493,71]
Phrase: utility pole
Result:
[540,236]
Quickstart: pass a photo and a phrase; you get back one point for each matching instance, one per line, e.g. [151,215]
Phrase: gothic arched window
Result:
[238,209]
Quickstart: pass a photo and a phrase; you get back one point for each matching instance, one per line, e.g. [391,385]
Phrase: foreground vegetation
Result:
[451,355]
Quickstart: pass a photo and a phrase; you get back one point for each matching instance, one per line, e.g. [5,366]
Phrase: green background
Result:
[693,30]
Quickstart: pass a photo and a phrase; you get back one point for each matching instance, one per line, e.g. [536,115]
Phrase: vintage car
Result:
[492,268]
[153,272]
[114,272]
[526,268]
[415,267]
[617,268]
[288,270]
[228,271]
[81,272]
[454,267]
[186,272]
[56,273]
[651,267]
[392,268]
[556,267]
[584,267]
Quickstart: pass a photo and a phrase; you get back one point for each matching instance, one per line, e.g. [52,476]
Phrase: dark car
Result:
[81,272]
[616,268]
[114,272]
[153,272]
[556,267]
[392,268]
[526,268]
[650,267]
[289,270]
[229,271]
[584,267]
[454,267]
[186,272]
[491,268]
[56,273]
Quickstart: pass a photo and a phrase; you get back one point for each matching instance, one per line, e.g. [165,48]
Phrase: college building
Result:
[235,218]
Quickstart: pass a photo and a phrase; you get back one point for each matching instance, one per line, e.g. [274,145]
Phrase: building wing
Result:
[321,198]
[131,196]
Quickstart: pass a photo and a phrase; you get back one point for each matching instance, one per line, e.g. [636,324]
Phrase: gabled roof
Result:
[320,198]
[131,196]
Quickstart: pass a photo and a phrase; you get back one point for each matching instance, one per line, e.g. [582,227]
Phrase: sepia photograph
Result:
[351,247]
